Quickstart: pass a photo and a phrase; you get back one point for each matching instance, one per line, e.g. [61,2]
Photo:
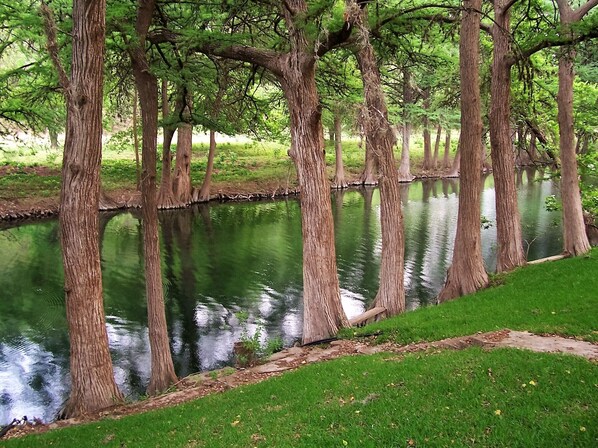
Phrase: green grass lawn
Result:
[498,398]
[472,398]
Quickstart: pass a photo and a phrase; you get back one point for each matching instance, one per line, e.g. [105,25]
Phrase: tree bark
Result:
[204,193]
[380,135]
[456,166]
[92,378]
[447,149]
[182,170]
[323,314]
[405,164]
[427,140]
[162,368]
[339,181]
[508,222]
[575,240]
[166,194]
[467,273]
[368,177]
[136,141]
[436,147]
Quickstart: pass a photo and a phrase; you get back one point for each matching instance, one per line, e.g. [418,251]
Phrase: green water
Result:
[219,259]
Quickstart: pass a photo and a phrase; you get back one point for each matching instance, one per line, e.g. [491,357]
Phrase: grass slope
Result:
[470,398]
[555,297]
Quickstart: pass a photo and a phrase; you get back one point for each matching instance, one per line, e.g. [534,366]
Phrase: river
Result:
[218,260]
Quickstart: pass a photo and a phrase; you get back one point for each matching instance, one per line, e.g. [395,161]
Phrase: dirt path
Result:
[200,385]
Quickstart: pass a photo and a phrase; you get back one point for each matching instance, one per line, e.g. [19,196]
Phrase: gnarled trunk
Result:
[92,378]
[323,313]
[508,223]
[467,273]
[380,135]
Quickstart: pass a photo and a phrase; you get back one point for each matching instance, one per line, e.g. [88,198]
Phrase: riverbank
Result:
[30,184]
[434,397]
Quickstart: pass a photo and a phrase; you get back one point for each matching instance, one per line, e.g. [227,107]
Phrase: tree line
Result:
[229,66]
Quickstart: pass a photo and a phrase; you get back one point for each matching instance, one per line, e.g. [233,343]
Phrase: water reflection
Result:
[218,260]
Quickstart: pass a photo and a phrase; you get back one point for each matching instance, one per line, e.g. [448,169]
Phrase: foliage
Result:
[250,349]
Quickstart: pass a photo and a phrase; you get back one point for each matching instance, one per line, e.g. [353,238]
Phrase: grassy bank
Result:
[556,297]
[469,398]
[472,397]
[28,172]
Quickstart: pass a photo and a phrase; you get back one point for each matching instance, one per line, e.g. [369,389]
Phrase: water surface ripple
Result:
[218,260]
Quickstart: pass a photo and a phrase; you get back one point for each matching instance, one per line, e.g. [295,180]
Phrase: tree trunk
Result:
[136,141]
[53,139]
[162,368]
[454,172]
[533,151]
[467,273]
[427,141]
[368,177]
[184,146]
[204,193]
[323,314]
[380,135]
[92,378]
[436,147]
[575,240]
[405,165]
[166,193]
[339,177]
[508,225]
[447,149]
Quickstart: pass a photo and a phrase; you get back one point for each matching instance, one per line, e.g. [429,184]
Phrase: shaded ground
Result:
[200,385]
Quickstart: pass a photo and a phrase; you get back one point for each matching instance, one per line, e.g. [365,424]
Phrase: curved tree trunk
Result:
[339,177]
[467,273]
[162,368]
[380,135]
[92,378]
[323,313]
[575,240]
[508,223]
[204,192]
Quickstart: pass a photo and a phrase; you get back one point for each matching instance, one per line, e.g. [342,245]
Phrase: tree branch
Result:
[580,12]
[269,59]
[563,40]
[52,45]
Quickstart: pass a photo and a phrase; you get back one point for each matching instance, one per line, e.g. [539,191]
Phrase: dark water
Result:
[218,260]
